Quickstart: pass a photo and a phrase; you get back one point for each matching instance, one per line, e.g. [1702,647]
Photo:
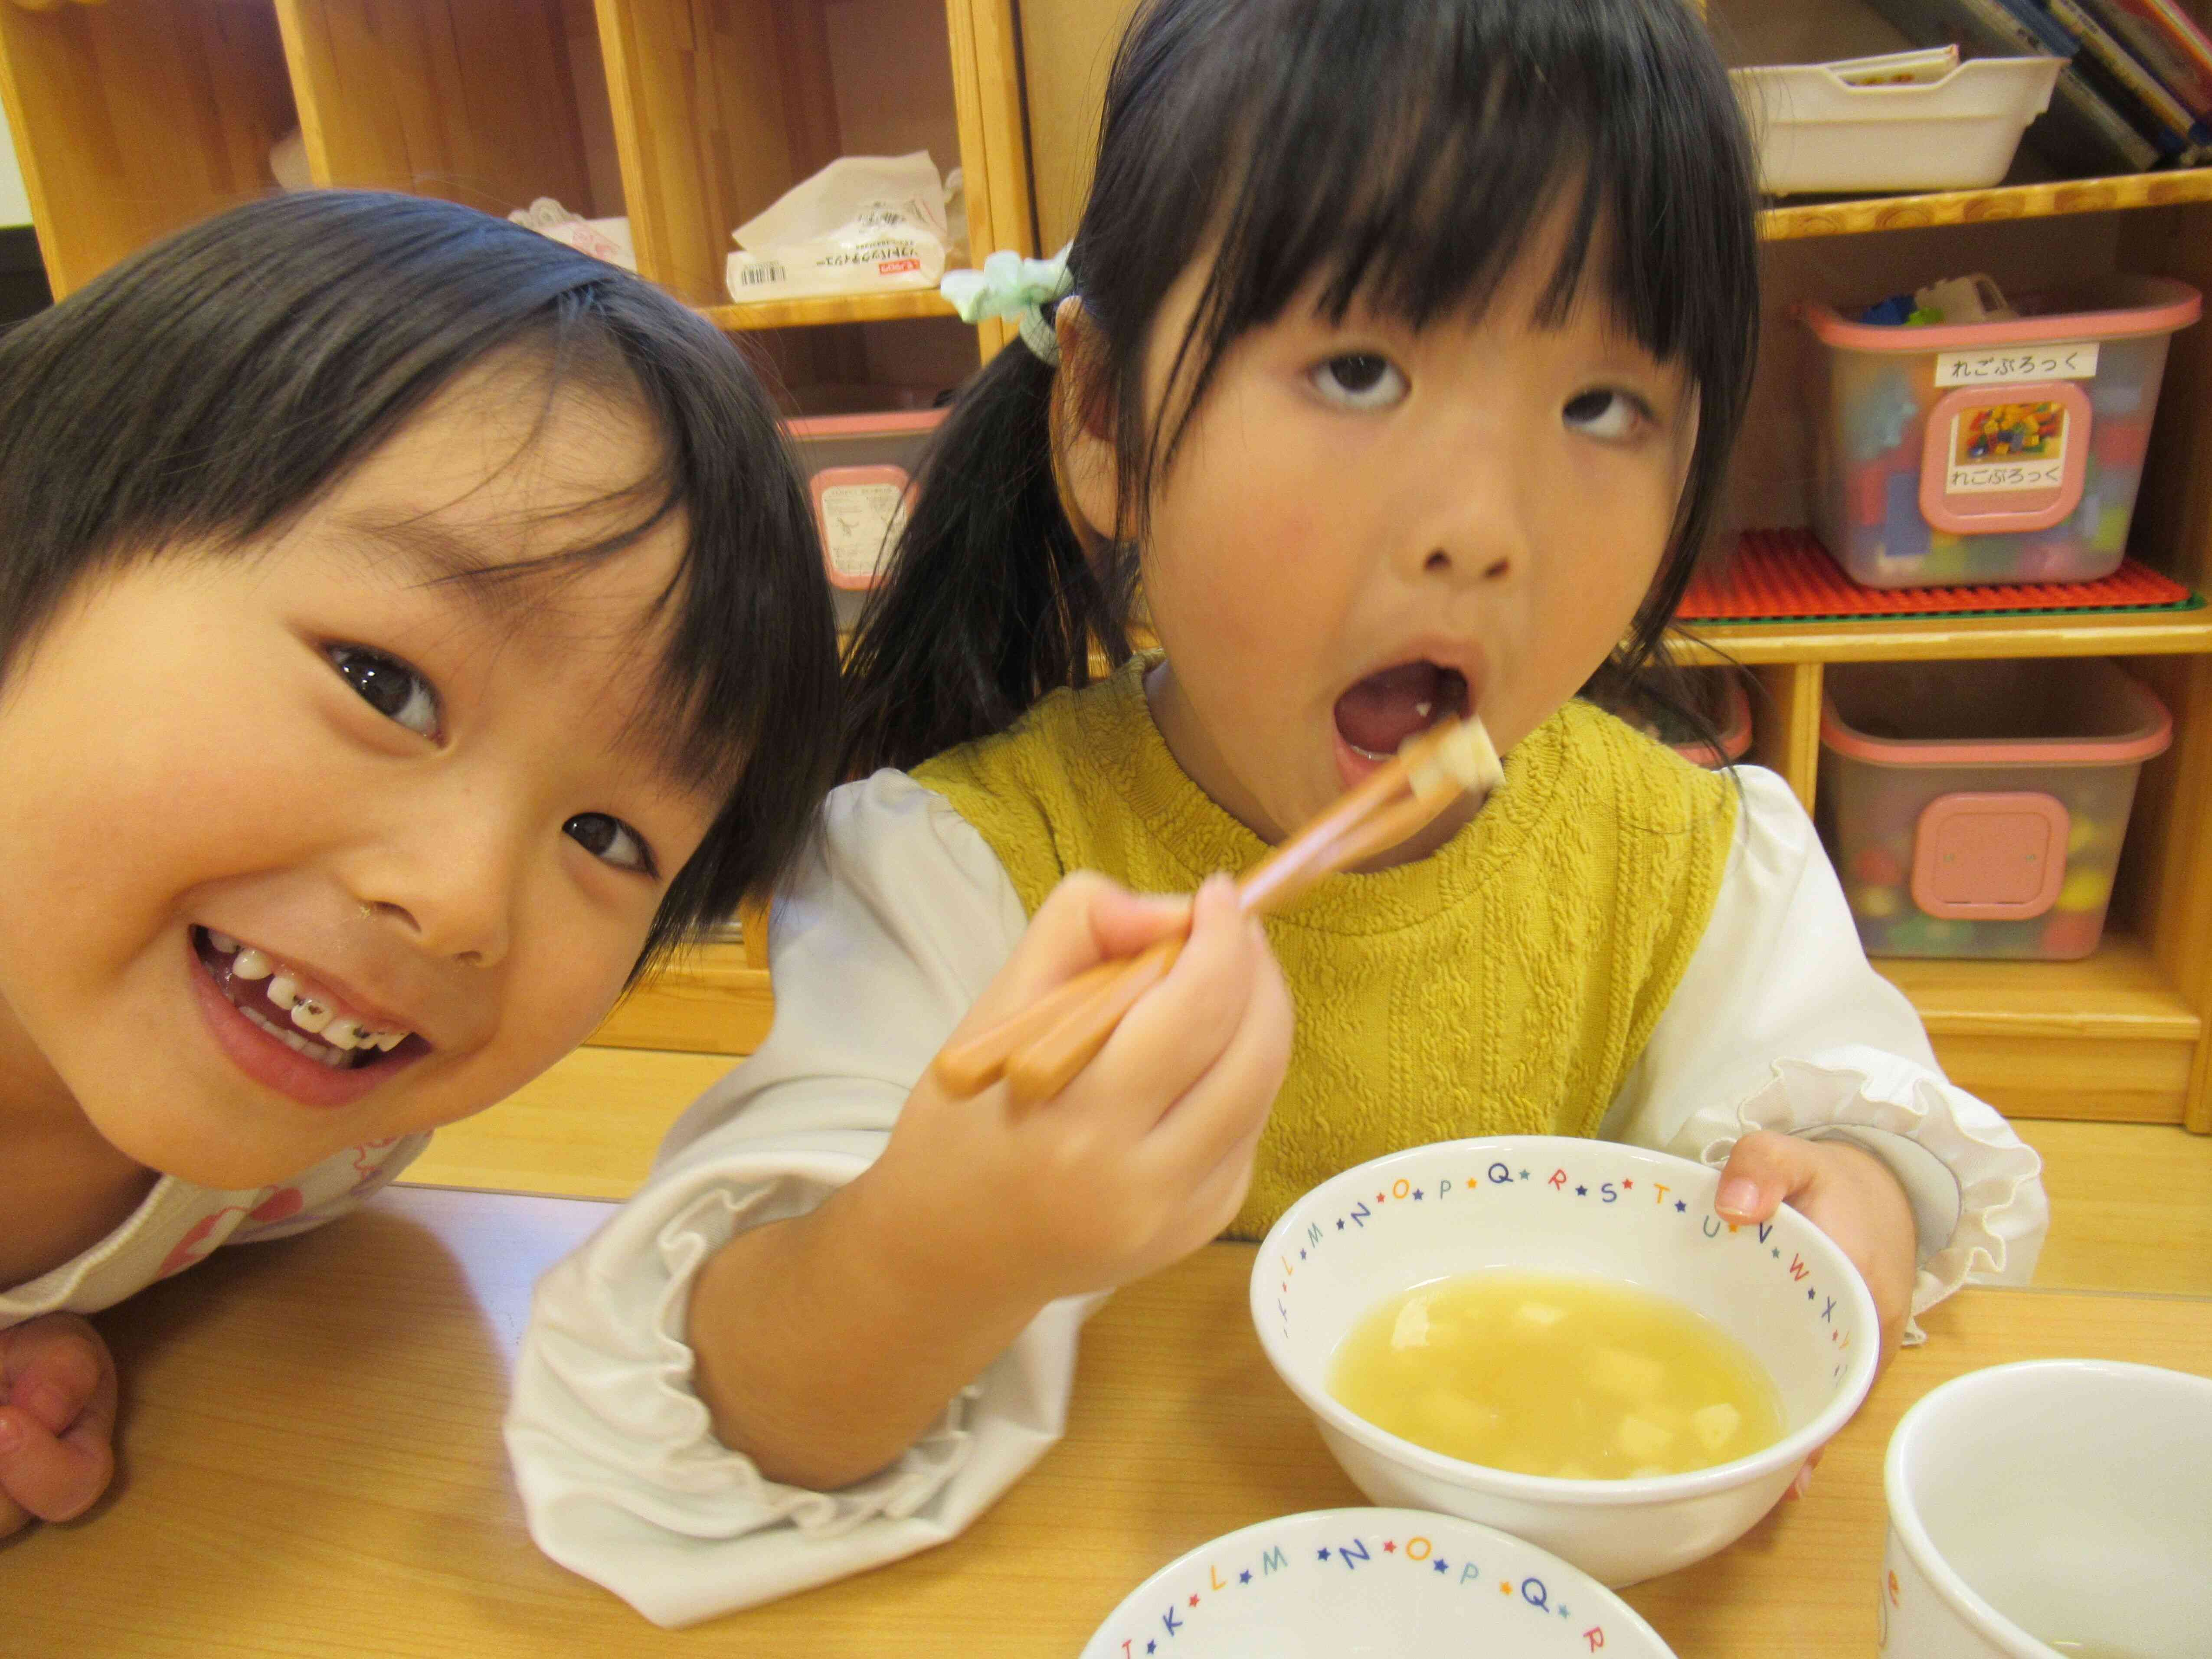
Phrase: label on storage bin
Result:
[2067,359]
[2006,446]
[861,514]
[858,524]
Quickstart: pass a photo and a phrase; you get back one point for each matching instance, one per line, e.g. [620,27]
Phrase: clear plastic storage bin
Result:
[1717,694]
[1990,452]
[859,473]
[1977,808]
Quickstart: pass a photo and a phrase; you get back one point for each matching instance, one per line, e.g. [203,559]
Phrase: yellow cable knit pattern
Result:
[1503,985]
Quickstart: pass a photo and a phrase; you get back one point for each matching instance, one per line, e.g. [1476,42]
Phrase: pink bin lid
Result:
[2149,730]
[1734,729]
[867,426]
[2110,308]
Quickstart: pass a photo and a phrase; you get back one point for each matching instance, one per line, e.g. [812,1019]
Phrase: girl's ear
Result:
[1083,458]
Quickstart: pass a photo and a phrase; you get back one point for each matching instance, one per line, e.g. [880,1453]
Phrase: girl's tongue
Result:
[1384,709]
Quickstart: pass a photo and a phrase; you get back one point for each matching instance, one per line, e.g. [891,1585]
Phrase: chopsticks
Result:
[1039,1051]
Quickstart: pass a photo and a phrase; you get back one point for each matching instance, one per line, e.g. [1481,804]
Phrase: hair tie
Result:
[1009,286]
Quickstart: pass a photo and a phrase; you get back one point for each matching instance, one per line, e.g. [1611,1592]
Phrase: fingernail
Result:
[53,1408]
[1737,1197]
[11,1434]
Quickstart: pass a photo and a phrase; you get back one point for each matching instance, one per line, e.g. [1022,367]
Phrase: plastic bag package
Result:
[603,238]
[864,224]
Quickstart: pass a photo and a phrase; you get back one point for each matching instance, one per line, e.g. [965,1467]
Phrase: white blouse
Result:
[177,1225]
[901,917]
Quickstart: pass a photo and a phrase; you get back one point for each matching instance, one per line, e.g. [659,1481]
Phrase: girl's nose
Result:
[1471,529]
[1440,562]
[451,894]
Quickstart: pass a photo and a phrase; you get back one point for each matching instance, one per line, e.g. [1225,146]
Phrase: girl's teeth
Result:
[341,1036]
[321,1054]
[1423,708]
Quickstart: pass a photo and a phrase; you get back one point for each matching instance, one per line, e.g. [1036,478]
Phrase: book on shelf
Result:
[2167,42]
[2127,84]
[2082,133]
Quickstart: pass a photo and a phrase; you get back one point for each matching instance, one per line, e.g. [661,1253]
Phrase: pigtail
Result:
[991,600]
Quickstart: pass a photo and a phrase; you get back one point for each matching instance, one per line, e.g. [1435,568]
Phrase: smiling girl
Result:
[408,627]
[1399,353]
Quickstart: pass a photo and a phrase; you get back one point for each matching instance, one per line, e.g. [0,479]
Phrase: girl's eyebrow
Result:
[434,553]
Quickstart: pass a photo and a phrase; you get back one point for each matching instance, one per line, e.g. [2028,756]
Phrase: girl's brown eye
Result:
[1604,413]
[611,841]
[1359,379]
[389,686]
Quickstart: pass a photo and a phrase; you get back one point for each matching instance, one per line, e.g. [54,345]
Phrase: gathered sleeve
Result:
[899,918]
[1780,1023]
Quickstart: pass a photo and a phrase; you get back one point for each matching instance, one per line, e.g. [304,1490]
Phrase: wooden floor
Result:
[2132,1204]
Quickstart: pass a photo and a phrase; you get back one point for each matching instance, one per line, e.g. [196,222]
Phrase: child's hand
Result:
[57,1416]
[1146,1154]
[1847,1193]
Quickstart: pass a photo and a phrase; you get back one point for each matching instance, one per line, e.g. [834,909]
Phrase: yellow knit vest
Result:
[1503,985]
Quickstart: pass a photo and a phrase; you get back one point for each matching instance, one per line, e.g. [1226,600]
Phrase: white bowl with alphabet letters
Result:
[1410,1583]
[1595,1209]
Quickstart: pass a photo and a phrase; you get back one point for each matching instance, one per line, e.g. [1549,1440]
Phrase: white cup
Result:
[2053,1508]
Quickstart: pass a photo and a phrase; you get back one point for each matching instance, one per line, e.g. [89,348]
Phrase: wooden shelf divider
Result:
[1876,639]
[1857,216]
[829,309]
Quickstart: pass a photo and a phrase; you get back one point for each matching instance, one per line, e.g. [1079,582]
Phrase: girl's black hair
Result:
[210,389]
[1398,151]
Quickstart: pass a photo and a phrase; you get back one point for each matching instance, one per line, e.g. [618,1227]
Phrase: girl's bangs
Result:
[1409,169]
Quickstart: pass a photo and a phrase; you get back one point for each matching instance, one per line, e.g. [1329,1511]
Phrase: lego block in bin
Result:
[1909,534]
[1997,856]
[2115,442]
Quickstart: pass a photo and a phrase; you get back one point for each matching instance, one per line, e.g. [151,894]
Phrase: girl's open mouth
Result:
[1380,713]
[288,1008]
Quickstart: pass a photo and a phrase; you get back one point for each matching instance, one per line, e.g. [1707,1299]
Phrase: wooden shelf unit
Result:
[689,116]
[133,120]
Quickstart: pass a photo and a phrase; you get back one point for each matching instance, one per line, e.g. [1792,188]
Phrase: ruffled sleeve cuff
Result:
[622,1477]
[1975,1190]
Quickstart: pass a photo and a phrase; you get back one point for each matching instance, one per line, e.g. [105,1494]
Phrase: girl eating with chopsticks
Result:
[1395,361]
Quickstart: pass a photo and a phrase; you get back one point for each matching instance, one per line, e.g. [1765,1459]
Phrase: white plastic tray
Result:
[1817,134]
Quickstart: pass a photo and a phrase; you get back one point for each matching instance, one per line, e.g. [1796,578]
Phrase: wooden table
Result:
[313,1467]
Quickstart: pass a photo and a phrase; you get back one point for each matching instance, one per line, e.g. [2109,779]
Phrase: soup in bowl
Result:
[1549,1235]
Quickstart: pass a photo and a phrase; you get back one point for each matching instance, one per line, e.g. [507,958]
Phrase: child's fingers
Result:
[1220,1192]
[1763,1172]
[55,1477]
[54,1368]
[1084,920]
[1179,1029]
[1220,1117]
